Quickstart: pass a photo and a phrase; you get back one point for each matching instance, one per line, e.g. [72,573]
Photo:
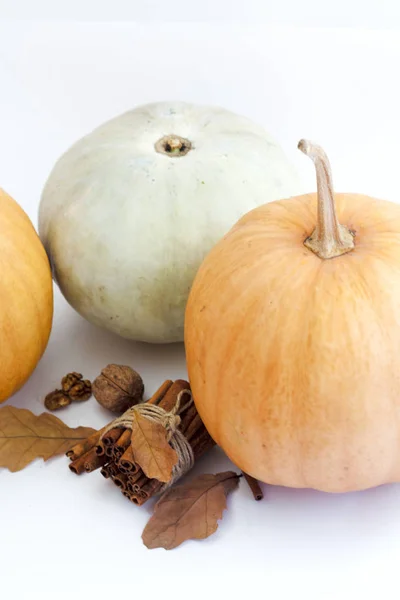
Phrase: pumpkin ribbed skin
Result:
[26,297]
[294,361]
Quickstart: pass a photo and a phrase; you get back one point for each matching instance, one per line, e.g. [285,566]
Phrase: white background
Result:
[62,536]
[319,13]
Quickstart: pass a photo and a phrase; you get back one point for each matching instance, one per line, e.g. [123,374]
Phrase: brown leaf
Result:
[25,436]
[151,449]
[189,511]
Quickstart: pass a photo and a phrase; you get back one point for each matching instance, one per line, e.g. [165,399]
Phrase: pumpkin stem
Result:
[329,238]
[173,145]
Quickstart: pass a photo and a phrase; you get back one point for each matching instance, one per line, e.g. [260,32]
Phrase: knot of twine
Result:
[170,421]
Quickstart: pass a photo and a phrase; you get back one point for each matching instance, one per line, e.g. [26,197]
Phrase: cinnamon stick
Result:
[109,470]
[140,483]
[140,496]
[94,461]
[160,393]
[120,480]
[194,426]
[127,461]
[254,486]
[100,448]
[117,453]
[77,466]
[105,471]
[187,417]
[111,437]
[81,448]
[168,402]
[134,477]
[138,499]
[122,443]
[202,443]
[151,487]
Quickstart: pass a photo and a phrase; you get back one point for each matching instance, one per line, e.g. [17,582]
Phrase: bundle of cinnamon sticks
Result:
[112,451]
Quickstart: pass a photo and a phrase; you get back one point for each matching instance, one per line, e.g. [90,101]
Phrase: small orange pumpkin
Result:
[293,340]
[26,297]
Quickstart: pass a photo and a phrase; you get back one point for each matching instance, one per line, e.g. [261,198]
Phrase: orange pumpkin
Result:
[293,340]
[26,297]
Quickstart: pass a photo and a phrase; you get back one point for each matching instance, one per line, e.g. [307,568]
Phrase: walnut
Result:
[73,389]
[77,388]
[56,400]
[118,387]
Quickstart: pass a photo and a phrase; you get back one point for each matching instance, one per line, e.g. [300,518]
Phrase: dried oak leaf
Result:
[151,449]
[189,511]
[25,436]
